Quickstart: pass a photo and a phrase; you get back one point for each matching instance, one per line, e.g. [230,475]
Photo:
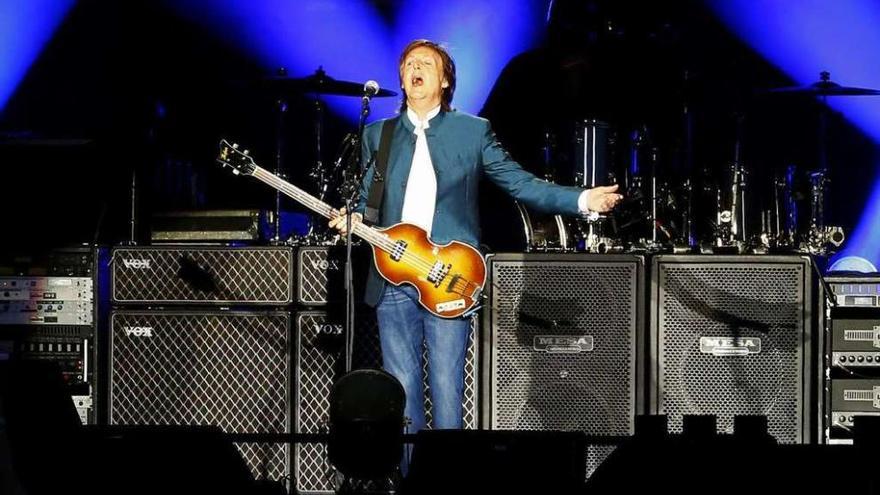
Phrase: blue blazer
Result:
[463,148]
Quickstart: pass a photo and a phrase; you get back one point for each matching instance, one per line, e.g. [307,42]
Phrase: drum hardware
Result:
[635,217]
[594,157]
[823,88]
[786,210]
[543,232]
[318,84]
[819,238]
[595,144]
[686,241]
[731,233]
[281,110]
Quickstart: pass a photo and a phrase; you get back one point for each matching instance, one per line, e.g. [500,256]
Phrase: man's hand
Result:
[603,198]
[338,222]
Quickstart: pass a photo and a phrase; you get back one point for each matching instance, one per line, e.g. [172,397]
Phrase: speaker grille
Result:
[570,301]
[731,309]
[590,391]
[229,370]
[320,361]
[202,275]
[316,267]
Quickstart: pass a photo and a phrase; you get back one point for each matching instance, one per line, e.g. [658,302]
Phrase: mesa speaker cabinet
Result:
[732,335]
[561,344]
[202,275]
[320,361]
[225,369]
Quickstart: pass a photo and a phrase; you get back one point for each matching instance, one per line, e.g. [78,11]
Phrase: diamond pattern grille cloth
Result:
[319,362]
[228,370]
[202,275]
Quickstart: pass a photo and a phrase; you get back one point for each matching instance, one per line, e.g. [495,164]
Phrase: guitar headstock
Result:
[239,161]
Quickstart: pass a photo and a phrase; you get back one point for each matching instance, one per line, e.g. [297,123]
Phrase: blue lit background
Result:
[353,42]
[804,37]
[25,28]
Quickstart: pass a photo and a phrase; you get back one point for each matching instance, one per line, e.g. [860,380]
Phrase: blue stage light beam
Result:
[346,37]
[808,36]
[352,42]
[481,35]
[25,28]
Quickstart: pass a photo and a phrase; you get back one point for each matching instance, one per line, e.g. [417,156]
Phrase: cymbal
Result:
[825,87]
[319,82]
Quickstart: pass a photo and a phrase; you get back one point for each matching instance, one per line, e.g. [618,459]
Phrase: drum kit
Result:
[339,179]
[658,214]
[696,214]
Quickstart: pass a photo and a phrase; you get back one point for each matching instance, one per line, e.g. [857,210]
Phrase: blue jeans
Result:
[403,325]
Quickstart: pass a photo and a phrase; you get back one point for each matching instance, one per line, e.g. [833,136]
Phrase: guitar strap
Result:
[377,185]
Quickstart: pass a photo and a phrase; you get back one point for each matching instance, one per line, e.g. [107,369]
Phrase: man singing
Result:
[437,157]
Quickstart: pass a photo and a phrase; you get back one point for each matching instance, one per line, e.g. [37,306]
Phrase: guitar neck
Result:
[368,234]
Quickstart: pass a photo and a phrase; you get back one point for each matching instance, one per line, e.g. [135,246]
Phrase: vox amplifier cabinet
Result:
[196,275]
[320,273]
[229,369]
[320,361]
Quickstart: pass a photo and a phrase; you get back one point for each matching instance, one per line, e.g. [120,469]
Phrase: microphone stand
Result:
[349,275]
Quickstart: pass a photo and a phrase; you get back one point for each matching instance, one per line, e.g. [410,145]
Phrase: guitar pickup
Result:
[399,249]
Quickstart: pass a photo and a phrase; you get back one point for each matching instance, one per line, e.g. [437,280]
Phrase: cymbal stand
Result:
[281,109]
[654,222]
[132,218]
[318,173]
[791,210]
[731,223]
[349,272]
[690,237]
[821,236]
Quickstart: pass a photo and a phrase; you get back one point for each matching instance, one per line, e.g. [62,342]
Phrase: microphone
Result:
[371,88]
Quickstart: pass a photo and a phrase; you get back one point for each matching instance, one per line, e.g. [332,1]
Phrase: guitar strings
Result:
[382,241]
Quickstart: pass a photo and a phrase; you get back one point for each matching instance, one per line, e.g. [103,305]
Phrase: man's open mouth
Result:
[416,81]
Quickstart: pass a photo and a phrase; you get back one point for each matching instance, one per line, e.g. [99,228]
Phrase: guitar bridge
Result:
[450,287]
[438,272]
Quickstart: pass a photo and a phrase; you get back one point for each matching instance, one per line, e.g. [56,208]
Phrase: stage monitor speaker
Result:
[225,369]
[202,275]
[319,361]
[561,344]
[732,335]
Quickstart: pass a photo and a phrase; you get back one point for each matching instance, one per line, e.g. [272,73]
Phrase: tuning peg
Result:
[235,146]
[235,171]
[247,152]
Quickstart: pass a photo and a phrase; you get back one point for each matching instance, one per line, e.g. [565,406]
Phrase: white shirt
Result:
[421,186]
[420,198]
